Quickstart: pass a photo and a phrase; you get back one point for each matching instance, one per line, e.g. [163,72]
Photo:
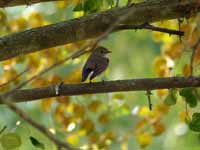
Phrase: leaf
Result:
[171,98]
[194,124]
[144,139]
[190,98]
[110,2]
[73,139]
[79,7]
[10,141]
[89,5]
[37,143]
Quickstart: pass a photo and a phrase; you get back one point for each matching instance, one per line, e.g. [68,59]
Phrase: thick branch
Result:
[93,25]
[105,87]
[8,3]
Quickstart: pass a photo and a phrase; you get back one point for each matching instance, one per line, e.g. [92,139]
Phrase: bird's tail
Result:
[85,74]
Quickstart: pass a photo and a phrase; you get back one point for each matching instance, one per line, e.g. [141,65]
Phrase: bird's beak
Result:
[109,51]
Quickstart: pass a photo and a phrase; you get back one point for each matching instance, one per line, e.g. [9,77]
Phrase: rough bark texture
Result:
[8,3]
[93,25]
[104,87]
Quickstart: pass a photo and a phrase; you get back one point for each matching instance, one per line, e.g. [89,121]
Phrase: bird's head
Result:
[100,51]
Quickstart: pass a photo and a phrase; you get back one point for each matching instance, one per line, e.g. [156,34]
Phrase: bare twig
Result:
[14,78]
[8,3]
[149,99]
[151,27]
[194,48]
[3,129]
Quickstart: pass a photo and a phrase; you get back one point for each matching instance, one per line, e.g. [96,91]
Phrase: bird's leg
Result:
[58,87]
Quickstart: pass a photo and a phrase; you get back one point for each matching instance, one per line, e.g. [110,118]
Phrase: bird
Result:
[96,63]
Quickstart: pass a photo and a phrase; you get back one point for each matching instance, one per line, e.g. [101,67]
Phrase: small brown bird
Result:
[96,63]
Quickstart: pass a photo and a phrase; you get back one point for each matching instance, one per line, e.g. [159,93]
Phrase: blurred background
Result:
[115,121]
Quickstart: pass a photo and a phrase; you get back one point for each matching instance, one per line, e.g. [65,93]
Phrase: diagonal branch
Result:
[38,126]
[8,3]
[93,25]
[106,87]
[150,27]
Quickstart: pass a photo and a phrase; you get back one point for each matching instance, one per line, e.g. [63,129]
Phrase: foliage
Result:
[104,121]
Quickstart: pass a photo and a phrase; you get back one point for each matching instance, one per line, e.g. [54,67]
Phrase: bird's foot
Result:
[58,87]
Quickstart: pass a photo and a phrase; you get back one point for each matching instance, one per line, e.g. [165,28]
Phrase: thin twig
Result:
[151,27]
[14,78]
[194,48]
[149,99]
[3,129]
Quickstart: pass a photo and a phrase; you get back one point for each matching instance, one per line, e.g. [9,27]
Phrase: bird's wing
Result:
[100,67]
[88,68]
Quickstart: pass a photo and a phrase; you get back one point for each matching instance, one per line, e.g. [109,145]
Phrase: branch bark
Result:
[93,25]
[8,3]
[105,87]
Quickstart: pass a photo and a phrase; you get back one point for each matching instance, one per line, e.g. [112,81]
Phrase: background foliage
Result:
[104,121]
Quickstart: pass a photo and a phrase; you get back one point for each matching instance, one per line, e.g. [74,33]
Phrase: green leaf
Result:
[79,7]
[171,98]
[37,143]
[195,122]
[89,5]
[10,141]
[189,96]
[110,2]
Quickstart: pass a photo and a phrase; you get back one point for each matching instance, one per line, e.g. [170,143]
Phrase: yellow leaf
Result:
[140,124]
[59,112]
[87,125]
[159,128]
[160,66]
[183,116]
[186,70]
[63,100]
[118,96]
[174,50]
[144,111]
[162,108]
[35,19]
[94,106]
[162,92]
[103,118]
[73,139]
[55,79]
[79,111]
[46,104]
[66,120]
[144,139]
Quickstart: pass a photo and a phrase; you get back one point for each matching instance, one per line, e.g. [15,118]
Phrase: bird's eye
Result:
[101,51]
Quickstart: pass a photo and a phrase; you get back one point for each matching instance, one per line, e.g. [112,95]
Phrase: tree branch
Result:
[151,27]
[106,87]
[93,25]
[8,3]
